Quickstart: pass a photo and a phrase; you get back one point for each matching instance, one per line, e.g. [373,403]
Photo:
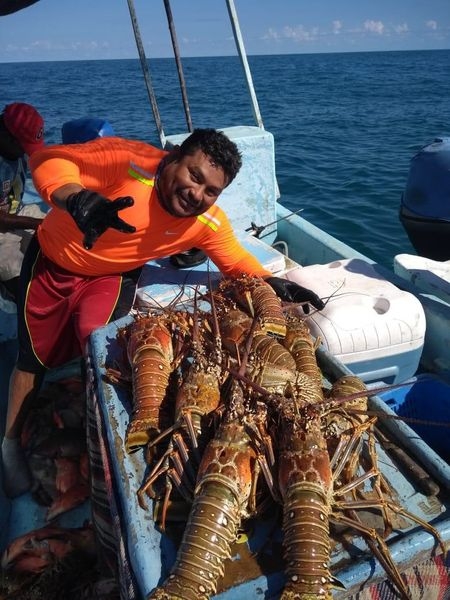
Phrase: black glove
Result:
[94,214]
[292,292]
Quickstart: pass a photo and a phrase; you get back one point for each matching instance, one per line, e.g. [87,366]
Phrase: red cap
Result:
[25,123]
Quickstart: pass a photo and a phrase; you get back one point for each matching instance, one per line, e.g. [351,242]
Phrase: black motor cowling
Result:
[425,204]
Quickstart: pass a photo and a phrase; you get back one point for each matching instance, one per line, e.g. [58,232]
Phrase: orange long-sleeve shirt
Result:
[117,167]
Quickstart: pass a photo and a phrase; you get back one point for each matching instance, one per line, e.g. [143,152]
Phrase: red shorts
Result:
[57,310]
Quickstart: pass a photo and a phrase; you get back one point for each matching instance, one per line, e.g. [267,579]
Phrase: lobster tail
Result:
[306,544]
[211,529]
[256,297]
[150,354]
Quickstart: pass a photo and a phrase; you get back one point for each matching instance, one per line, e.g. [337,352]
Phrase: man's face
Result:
[188,186]
[9,146]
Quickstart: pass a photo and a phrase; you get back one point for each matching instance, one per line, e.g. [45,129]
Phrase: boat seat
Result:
[430,276]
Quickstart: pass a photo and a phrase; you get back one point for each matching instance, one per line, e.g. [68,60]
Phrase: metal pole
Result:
[146,72]
[243,56]
[241,50]
[176,53]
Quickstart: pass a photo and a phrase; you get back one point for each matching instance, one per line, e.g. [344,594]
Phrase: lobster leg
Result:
[225,484]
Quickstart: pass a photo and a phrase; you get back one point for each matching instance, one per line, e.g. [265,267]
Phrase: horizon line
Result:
[226,55]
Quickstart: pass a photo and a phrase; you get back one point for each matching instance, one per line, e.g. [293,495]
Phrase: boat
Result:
[382,327]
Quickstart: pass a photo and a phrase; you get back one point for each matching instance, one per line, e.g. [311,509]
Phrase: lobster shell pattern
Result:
[197,398]
[256,297]
[269,363]
[306,489]
[199,393]
[339,418]
[224,486]
[305,486]
[150,354]
[234,326]
[299,342]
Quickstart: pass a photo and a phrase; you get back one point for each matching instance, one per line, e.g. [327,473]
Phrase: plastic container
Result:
[374,328]
[427,399]
[82,130]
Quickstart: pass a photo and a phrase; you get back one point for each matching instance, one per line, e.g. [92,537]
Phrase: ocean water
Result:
[345,125]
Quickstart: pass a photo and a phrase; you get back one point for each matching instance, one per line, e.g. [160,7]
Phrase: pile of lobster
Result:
[229,403]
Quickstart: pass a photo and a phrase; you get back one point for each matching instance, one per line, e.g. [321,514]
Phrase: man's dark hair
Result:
[223,152]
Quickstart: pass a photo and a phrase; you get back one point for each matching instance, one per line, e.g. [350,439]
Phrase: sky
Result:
[101,29]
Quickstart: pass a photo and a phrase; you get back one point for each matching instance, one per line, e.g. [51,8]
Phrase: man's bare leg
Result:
[23,386]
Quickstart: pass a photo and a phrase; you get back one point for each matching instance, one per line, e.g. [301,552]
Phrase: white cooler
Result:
[374,328]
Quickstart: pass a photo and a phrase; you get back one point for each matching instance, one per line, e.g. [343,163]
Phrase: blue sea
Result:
[345,125]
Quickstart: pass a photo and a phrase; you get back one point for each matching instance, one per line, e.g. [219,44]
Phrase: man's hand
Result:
[292,292]
[12,222]
[94,214]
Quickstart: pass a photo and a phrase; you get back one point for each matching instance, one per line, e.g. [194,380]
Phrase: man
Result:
[21,133]
[81,271]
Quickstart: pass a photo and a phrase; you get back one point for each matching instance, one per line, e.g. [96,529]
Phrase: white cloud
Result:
[431,24]
[42,45]
[337,26]
[271,35]
[402,28]
[374,26]
[300,34]
[296,34]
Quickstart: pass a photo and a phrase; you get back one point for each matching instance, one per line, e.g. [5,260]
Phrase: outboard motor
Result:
[425,204]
